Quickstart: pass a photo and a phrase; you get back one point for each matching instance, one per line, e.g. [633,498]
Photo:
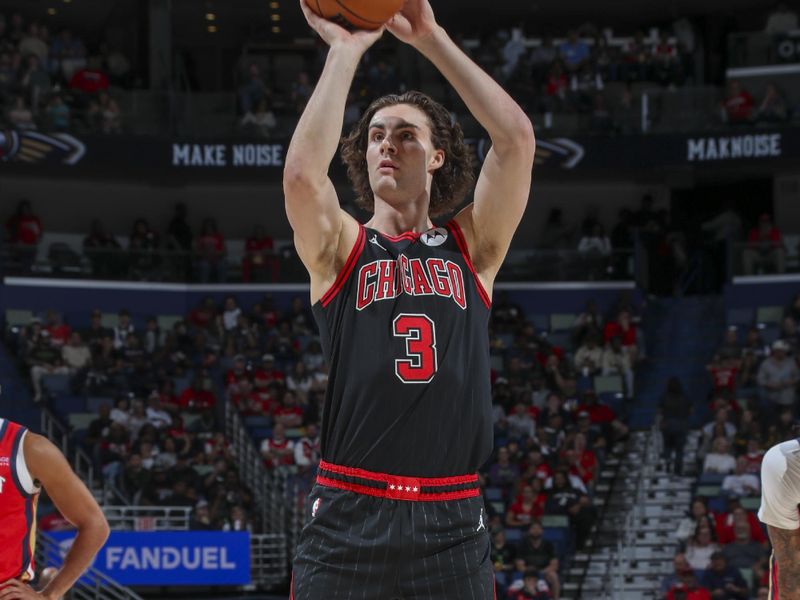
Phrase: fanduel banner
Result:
[172,557]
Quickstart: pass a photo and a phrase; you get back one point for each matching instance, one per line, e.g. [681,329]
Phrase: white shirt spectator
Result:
[699,557]
[520,426]
[745,484]
[575,481]
[600,245]
[123,417]
[719,463]
[158,417]
[120,333]
[781,372]
[306,452]
[76,357]
[230,317]
[708,430]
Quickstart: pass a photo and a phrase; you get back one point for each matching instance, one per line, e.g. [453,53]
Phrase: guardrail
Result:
[148,518]
[93,585]
[269,561]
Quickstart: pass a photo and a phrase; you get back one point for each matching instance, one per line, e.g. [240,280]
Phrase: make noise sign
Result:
[171,557]
[227,155]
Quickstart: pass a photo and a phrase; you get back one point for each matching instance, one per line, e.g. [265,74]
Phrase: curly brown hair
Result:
[451,182]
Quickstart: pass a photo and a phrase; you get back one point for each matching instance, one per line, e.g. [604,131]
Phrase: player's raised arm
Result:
[504,184]
[49,467]
[311,202]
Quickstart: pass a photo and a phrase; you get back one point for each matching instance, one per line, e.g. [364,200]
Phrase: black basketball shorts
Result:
[373,536]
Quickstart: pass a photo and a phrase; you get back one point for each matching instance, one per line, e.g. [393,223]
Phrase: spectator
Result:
[740,482]
[179,233]
[210,251]
[24,231]
[76,355]
[772,107]
[104,114]
[681,569]
[719,460]
[589,357]
[617,360]
[44,359]
[790,334]
[666,62]
[724,581]
[781,20]
[200,395]
[306,450]
[726,522]
[521,427]
[689,589]
[35,82]
[261,121]
[143,247]
[201,517]
[503,473]
[764,251]
[254,91]
[737,107]
[67,55]
[532,588]
[730,348]
[574,52]
[230,314]
[553,101]
[502,555]
[541,58]
[700,548]
[540,555]
[103,251]
[527,507]
[675,410]
[778,377]
[278,450]
[742,552]
[89,80]
[723,374]
[58,114]
[636,59]
[122,329]
[301,91]
[259,263]
[793,310]
[34,44]
[595,242]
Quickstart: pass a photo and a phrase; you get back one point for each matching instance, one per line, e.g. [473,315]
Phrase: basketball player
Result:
[780,496]
[29,462]
[403,310]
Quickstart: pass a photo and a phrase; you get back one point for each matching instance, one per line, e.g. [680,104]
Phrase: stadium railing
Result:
[148,518]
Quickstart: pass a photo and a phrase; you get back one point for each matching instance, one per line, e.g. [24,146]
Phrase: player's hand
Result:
[336,35]
[14,589]
[414,23]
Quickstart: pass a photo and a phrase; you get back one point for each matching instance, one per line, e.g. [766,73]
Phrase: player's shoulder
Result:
[777,458]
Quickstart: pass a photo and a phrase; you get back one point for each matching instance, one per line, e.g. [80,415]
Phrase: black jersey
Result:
[405,332]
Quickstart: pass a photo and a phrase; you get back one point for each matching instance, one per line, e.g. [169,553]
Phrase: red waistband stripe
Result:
[397,487]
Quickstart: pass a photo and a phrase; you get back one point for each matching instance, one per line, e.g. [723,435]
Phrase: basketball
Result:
[361,14]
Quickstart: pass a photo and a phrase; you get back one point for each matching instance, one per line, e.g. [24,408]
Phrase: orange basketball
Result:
[361,14]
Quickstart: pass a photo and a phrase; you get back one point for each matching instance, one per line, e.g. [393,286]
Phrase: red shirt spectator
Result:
[684,592]
[739,103]
[24,227]
[259,259]
[203,314]
[724,525]
[197,397]
[89,81]
[765,235]
[599,414]
[527,507]
[622,327]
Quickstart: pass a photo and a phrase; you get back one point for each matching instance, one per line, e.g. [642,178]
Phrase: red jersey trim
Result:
[349,265]
[291,588]
[406,235]
[386,477]
[420,497]
[458,235]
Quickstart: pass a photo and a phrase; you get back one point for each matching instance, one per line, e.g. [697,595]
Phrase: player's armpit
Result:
[786,546]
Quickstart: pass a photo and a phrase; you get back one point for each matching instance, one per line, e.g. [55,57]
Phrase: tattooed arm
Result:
[786,546]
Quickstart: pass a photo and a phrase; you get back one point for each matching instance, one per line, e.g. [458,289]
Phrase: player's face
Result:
[401,158]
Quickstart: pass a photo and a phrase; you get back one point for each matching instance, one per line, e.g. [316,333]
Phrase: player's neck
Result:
[395,220]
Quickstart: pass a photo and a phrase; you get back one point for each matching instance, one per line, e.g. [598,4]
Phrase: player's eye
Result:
[407,135]
[377,136]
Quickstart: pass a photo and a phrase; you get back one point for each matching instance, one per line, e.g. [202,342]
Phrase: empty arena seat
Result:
[261,433]
[718,504]
[560,537]
[540,322]
[769,314]
[711,479]
[740,316]
[751,502]
[81,420]
[67,405]
[560,339]
[166,322]
[493,494]
[555,521]
[561,321]
[608,384]
[257,421]
[770,333]
[93,403]
[513,535]
[55,383]
[18,316]
[708,491]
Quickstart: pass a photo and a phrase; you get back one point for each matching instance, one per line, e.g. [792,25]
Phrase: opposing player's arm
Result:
[786,546]
[504,183]
[49,467]
[321,228]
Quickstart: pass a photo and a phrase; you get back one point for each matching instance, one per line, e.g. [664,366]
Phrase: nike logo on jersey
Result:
[374,240]
[387,279]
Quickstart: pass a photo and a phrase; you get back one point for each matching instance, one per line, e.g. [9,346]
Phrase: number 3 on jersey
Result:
[421,362]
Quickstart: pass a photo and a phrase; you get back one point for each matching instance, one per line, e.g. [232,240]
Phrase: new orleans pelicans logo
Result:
[34,147]
[434,237]
[315,507]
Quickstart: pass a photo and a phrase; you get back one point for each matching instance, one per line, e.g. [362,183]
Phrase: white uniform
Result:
[780,486]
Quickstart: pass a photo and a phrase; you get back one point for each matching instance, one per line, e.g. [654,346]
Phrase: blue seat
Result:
[181,383]
[261,433]
[70,404]
[540,322]
[710,479]
[257,421]
[560,537]
[740,316]
[561,339]
[93,403]
[56,384]
[492,494]
[513,535]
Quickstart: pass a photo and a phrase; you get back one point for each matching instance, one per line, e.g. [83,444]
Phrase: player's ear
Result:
[437,160]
